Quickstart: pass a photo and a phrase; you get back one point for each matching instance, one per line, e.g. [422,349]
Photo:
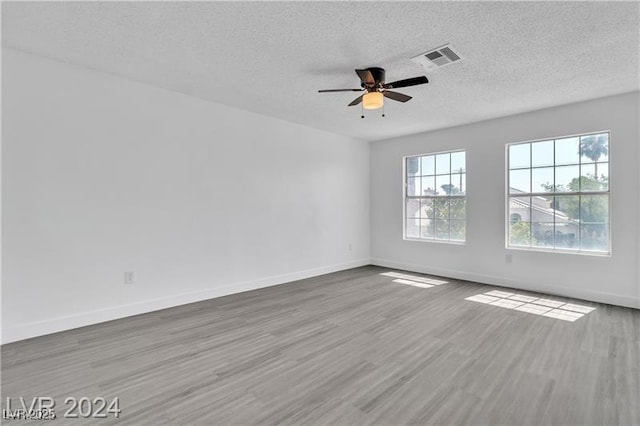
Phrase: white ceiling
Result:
[272,57]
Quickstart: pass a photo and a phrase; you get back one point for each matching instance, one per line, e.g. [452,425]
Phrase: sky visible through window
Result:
[542,156]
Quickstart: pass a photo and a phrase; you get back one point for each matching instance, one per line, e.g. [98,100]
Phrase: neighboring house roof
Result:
[539,207]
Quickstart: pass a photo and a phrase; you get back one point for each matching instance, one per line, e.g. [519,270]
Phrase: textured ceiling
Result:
[272,57]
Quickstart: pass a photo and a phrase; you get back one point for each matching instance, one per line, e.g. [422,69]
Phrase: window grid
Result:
[592,193]
[429,222]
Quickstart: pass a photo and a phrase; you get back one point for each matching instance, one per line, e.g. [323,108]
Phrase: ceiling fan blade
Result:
[340,90]
[356,101]
[400,97]
[406,83]
[366,76]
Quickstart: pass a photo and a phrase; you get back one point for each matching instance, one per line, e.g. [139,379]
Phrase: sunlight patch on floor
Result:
[414,279]
[533,305]
[413,283]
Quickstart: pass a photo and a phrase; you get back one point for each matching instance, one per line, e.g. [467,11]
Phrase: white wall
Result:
[103,175]
[612,279]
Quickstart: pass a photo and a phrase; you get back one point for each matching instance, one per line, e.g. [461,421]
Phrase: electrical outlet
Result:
[129,277]
[508,258]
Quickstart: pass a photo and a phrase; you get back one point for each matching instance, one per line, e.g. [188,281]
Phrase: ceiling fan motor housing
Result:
[378,77]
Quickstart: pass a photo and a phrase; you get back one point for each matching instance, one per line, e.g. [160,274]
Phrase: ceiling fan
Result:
[372,81]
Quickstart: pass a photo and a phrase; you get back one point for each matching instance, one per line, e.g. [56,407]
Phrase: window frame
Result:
[448,197]
[508,196]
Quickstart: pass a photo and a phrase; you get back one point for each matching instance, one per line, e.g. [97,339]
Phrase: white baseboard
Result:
[54,325]
[594,296]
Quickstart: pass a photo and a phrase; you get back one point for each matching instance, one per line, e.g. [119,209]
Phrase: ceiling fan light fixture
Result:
[373,100]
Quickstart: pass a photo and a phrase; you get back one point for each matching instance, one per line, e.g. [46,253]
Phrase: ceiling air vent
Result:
[437,58]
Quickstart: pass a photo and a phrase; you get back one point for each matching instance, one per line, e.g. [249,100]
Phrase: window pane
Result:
[594,148]
[588,170]
[412,208]
[519,181]
[457,183]
[567,210]
[602,173]
[594,209]
[413,228]
[519,155]
[520,234]
[594,237]
[521,206]
[594,222]
[426,228]
[442,229]
[442,208]
[413,166]
[428,184]
[462,184]
[568,151]
[588,180]
[541,209]
[567,225]
[542,154]
[426,210]
[567,178]
[427,167]
[458,230]
[442,163]
[458,162]
[457,209]
[519,217]
[542,180]
[566,232]
[443,184]
[542,234]
[413,187]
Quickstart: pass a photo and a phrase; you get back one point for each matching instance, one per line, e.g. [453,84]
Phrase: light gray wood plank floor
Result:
[350,348]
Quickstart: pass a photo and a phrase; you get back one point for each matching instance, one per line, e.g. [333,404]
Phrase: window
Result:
[435,187]
[559,191]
